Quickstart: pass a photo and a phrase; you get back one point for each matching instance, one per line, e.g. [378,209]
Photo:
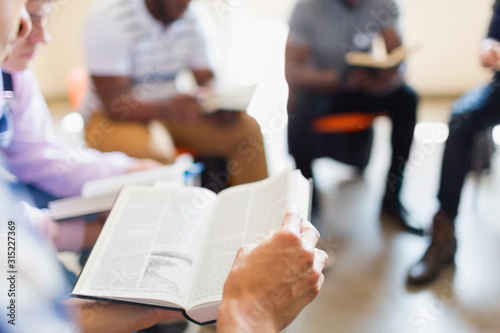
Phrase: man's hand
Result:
[184,108]
[372,82]
[273,279]
[489,53]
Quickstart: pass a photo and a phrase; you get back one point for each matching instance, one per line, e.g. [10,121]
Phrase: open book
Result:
[380,61]
[100,194]
[174,247]
[217,96]
[234,98]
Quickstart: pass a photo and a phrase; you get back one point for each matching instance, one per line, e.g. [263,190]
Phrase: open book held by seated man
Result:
[322,83]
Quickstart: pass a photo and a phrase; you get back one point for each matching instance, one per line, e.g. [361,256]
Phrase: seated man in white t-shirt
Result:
[134,50]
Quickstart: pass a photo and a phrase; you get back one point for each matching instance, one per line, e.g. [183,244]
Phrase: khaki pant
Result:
[240,142]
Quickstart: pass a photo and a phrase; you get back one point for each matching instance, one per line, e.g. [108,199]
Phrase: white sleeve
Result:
[106,46]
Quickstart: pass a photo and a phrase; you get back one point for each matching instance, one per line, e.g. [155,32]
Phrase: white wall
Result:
[449,32]
[65,50]
[446,64]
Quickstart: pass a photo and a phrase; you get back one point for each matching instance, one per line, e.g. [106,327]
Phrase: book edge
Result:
[103,299]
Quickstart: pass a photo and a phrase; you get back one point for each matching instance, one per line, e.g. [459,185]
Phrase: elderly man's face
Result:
[10,12]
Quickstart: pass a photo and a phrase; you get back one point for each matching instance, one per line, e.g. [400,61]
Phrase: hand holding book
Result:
[173,247]
[280,274]
[384,61]
[377,72]
[289,277]
[372,80]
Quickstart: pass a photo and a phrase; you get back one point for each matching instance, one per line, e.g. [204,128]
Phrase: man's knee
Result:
[409,96]
[250,125]
[463,123]
[249,133]
[467,113]
[250,140]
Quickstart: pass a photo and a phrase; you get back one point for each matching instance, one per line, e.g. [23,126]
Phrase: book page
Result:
[232,98]
[148,245]
[241,215]
[301,194]
[384,61]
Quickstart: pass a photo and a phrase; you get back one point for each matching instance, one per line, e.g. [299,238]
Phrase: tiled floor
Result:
[365,291]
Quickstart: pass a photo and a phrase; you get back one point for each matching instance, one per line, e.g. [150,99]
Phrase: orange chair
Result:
[345,122]
[346,137]
[77,82]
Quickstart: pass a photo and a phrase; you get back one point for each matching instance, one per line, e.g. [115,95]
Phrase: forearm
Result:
[101,317]
[299,77]
[124,100]
[128,106]
[61,170]
[246,316]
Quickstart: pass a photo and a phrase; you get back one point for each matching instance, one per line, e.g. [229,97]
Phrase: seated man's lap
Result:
[154,139]
[318,105]
[207,136]
[135,138]
[477,109]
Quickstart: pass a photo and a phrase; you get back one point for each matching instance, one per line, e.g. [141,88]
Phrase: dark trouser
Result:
[305,145]
[476,110]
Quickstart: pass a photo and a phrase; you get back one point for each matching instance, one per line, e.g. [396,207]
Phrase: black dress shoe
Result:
[392,207]
[440,254]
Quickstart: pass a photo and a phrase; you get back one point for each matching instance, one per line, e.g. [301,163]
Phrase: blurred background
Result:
[365,291]
[252,34]
[249,38]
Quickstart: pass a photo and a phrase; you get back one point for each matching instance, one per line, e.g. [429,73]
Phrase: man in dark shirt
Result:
[475,111]
[321,82]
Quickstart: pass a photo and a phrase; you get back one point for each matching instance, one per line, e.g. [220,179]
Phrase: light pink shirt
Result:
[40,158]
